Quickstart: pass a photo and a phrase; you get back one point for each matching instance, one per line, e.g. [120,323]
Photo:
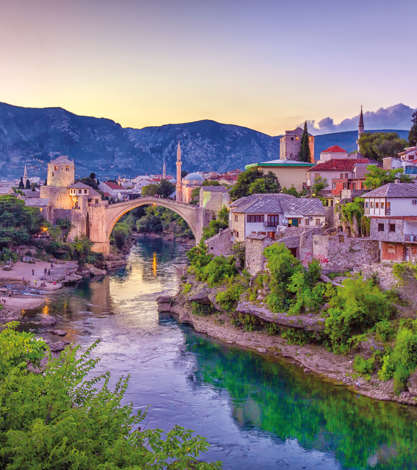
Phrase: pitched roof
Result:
[334,149]
[405,190]
[340,164]
[79,185]
[112,185]
[278,203]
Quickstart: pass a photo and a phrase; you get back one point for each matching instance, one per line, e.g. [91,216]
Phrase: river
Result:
[256,413]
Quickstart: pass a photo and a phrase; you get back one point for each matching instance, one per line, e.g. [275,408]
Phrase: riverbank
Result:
[312,358]
[26,286]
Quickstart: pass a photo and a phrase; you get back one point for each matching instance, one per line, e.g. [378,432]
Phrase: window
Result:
[67,168]
[307,222]
[236,218]
[366,204]
[255,218]
[376,205]
[380,227]
[272,220]
[392,227]
[382,205]
[414,202]
[318,222]
[372,205]
[85,191]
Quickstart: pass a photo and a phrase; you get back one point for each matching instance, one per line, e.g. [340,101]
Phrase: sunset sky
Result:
[263,64]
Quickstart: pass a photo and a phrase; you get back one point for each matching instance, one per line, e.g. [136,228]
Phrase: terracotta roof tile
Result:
[342,164]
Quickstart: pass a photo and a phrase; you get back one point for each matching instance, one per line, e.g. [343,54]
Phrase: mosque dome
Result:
[193,178]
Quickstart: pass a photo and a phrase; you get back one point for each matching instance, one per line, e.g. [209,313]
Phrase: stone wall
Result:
[254,253]
[341,253]
[220,244]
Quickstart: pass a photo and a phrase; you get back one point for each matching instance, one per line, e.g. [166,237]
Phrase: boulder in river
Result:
[47,321]
[58,332]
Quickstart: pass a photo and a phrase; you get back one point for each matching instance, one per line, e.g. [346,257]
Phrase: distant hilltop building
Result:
[290,145]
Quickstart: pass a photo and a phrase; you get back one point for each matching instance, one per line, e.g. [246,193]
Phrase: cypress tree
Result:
[304,155]
[21,185]
[412,136]
[27,184]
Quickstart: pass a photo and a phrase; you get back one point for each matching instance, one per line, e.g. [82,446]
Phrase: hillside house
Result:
[392,209]
[266,214]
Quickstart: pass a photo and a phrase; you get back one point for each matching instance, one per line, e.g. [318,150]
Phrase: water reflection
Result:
[255,413]
[285,402]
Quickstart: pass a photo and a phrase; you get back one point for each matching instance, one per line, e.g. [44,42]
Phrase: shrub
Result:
[68,418]
[218,270]
[402,361]
[364,366]
[186,288]
[202,310]
[229,298]
[384,330]
[357,306]
[246,321]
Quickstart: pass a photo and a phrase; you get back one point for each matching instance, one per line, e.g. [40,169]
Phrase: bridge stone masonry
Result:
[101,219]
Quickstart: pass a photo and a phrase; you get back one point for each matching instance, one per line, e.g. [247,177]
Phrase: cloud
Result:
[393,117]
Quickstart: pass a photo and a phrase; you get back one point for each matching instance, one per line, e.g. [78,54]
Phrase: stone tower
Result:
[361,127]
[178,195]
[61,172]
[61,175]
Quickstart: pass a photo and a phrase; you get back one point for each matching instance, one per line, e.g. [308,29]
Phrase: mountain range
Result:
[33,136]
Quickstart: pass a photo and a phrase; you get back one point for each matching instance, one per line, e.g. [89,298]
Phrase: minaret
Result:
[178,196]
[361,127]
[25,176]
[164,170]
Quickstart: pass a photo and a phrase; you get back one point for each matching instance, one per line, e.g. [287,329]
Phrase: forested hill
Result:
[33,135]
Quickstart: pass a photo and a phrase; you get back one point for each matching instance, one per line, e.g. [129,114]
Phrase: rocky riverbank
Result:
[312,358]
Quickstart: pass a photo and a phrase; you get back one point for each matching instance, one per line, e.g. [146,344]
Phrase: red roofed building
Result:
[340,172]
[333,153]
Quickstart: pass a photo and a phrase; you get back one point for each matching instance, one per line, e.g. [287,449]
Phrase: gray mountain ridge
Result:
[33,136]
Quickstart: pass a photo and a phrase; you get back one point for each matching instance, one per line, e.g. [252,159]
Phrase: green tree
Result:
[27,186]
[352,214]
[91,181]
[219,223]
[252,181]
[121,233]
[378,145]
[304,155]
[318,185]
[412,135]
[165,188]
[377,176]
[21,184]
[68,418]
[150,190]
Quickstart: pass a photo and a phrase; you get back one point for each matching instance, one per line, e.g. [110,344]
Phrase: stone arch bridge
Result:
[101,219]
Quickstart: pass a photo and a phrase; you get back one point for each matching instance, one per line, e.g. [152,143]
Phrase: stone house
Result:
[268,214]
[333,153]
[330,170]
[290,173]
[392,209]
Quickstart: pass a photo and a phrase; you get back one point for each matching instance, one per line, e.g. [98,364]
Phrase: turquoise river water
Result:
[256,413]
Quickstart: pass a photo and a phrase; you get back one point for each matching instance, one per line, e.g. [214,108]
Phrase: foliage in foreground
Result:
[65,419]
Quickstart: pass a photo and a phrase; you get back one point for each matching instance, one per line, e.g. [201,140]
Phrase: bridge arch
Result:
[102,220]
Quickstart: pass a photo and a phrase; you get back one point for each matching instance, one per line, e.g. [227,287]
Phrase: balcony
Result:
[270,223]
[410,237]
